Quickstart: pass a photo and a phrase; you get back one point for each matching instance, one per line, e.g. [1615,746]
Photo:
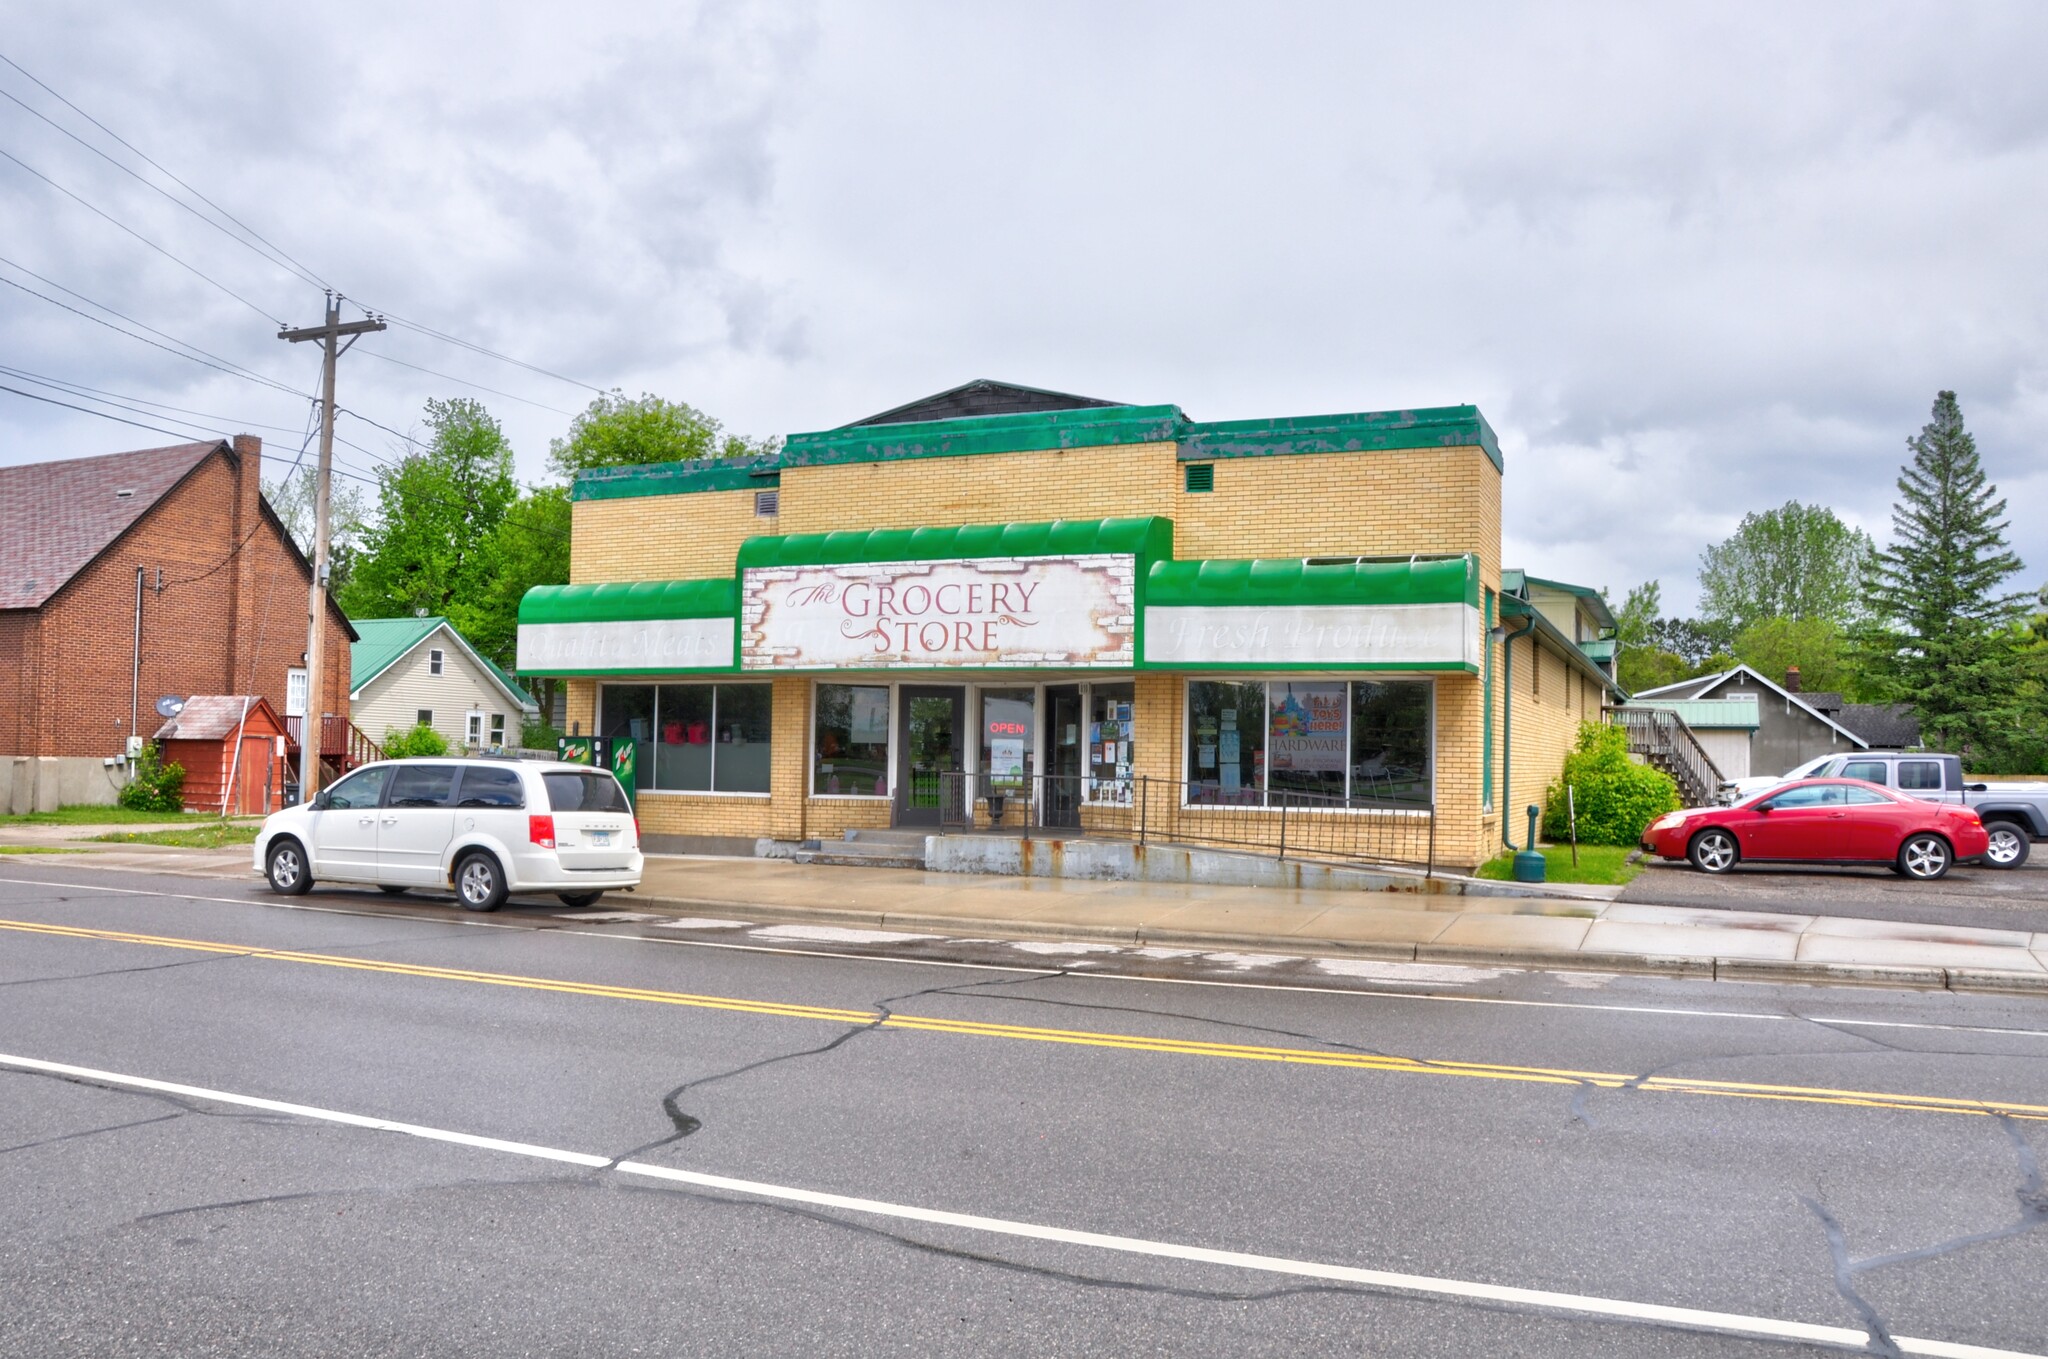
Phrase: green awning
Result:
[1149,537]
[1292,581]
[630,602]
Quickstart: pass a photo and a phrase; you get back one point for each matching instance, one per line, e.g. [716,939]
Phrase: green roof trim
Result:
[1603,614]
[759,472]
[1602,650]
[1149,537]
[1293,581]
[634,601]
[526,700]
[1710,713]
[1430,427]
[1093,427]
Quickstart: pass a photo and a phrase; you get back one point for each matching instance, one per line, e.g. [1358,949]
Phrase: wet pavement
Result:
[2012,899]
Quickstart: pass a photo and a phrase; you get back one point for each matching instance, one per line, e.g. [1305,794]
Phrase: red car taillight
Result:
[541,830]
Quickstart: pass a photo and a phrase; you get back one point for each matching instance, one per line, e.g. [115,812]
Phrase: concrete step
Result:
[861,860]
[901,839]
[867,849]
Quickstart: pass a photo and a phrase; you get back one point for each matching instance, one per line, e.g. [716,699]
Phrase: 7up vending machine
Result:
[617,756]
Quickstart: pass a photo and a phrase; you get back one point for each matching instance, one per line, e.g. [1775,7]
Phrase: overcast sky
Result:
[1688,263]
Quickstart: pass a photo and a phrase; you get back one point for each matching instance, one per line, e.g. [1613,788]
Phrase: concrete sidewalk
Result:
[1570,933]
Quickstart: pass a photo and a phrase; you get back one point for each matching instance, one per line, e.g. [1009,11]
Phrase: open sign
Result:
[1007,729]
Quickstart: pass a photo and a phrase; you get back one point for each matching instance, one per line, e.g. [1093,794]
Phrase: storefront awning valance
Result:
[1290,613]
[1148,537]
[641,627]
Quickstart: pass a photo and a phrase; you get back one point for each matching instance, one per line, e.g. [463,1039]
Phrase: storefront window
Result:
[693,738]
[1305,751]
[850,742]
[1323,743]
[1390,754]
[1226,741]
[627,714]
[1007,732]
[1109,742]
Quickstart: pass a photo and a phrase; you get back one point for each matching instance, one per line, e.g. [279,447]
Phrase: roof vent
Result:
[767,503]
[1200,476]
[124,493]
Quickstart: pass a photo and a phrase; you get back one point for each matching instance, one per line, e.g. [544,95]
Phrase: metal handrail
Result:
[1654,732]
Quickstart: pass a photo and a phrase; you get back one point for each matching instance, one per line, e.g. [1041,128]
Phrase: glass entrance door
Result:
[1064,759]
[931,736]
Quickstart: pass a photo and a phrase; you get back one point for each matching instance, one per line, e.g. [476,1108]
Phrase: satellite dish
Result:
[170,705]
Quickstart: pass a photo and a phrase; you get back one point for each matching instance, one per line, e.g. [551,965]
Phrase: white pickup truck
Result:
[2015,814]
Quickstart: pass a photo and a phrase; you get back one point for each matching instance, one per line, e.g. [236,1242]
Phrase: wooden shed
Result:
[203,738]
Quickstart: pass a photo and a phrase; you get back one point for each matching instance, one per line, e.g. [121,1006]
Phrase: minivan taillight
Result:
[541,830]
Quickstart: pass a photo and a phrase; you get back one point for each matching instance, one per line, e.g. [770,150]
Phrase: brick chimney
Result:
[244,582]
[1792,679]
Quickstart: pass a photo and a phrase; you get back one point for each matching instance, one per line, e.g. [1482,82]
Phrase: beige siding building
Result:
[410,671]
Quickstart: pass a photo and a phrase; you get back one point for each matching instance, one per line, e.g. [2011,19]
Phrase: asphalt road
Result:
[1999,899]
[963,1159]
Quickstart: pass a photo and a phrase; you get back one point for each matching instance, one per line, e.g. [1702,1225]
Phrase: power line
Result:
[211,360]
[132,173]
[488,353]
[156,165]
[186,435]
[117,398]
[193,269]
[450,377]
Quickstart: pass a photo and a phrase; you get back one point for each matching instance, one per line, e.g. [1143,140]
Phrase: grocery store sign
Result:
[640,644]
[995,612]
[1433,635]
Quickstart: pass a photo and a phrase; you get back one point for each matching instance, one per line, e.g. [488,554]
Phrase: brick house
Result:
[131,576]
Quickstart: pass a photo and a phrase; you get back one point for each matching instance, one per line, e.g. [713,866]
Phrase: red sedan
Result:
[1841,821]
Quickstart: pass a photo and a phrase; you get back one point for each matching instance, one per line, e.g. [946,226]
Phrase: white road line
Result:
[305,1111]
[1732,1323]
[1369,992]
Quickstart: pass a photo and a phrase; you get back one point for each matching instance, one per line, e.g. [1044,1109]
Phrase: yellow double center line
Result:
[1182,1047]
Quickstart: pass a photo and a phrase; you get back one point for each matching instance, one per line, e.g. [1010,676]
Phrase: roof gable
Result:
[210,717]
[1744,671]
[386,641]
[57,517]
[983,396]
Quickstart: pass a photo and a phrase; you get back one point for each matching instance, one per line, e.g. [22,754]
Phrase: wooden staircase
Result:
[342,743]
[1662,740]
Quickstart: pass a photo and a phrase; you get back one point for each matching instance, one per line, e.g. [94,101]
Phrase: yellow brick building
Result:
[1001,606]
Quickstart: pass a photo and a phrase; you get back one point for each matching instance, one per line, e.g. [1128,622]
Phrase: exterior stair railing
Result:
[1663,741]
[341,741]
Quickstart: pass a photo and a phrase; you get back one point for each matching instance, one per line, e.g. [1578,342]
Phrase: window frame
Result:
[1267,680]
[423,717]
[437,661]
[657,684]
[888,744]
[496,728]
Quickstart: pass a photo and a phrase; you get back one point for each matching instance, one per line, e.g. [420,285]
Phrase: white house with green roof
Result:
[407,671]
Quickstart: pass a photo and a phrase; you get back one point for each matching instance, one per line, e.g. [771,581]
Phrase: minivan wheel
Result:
[1713,851]
[285,866]
[479,883]
[2009,845]
[579,899]
[1924,857]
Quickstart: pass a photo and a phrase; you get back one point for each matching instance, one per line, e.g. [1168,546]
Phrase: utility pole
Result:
[313,725]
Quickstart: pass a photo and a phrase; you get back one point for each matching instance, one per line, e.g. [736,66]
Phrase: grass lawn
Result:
[100,816]
[37,849]
[1598,864]
[210,835]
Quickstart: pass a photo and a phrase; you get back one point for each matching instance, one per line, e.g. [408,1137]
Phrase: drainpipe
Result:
[1507,722]
[135,664]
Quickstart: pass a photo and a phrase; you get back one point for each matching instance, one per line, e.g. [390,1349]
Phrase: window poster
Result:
[870,720]
[1006,758]
[1307,728]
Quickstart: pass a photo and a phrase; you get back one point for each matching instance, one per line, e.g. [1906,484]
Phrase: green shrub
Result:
[1616,797]
[420,740]
[538,736]
[154,786]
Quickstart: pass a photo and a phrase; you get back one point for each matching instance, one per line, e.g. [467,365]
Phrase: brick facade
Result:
[228,618]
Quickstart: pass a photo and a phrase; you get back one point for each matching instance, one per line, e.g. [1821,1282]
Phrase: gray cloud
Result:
[1690,262]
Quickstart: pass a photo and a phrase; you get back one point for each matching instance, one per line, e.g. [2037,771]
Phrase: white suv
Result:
[486,828]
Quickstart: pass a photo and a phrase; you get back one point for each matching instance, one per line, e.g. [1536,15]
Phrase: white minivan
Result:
[485,828]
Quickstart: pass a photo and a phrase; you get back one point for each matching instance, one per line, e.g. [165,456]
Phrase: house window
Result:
[850,741]
[497,729]
[435,661]
[295,691]
[1321,743]
[425,717]
[693,738]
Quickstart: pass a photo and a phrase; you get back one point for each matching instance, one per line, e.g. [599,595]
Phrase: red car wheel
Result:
[1713,851]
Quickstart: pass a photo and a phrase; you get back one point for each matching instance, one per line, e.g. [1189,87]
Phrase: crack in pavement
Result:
[89,1132]
[1881,1341]
[181,1105]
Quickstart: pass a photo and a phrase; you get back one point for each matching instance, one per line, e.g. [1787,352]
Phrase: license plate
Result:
[600,838]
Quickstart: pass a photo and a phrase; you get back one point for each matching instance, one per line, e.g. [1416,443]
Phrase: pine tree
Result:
[1944,635]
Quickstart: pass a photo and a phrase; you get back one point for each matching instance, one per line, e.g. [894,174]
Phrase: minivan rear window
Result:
[579,792]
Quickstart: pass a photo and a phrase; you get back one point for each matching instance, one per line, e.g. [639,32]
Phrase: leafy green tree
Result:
[533,549]
[616,430]
[1797,561]
[1945,636]
[435,545]
[1821,650]
[1639,662]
